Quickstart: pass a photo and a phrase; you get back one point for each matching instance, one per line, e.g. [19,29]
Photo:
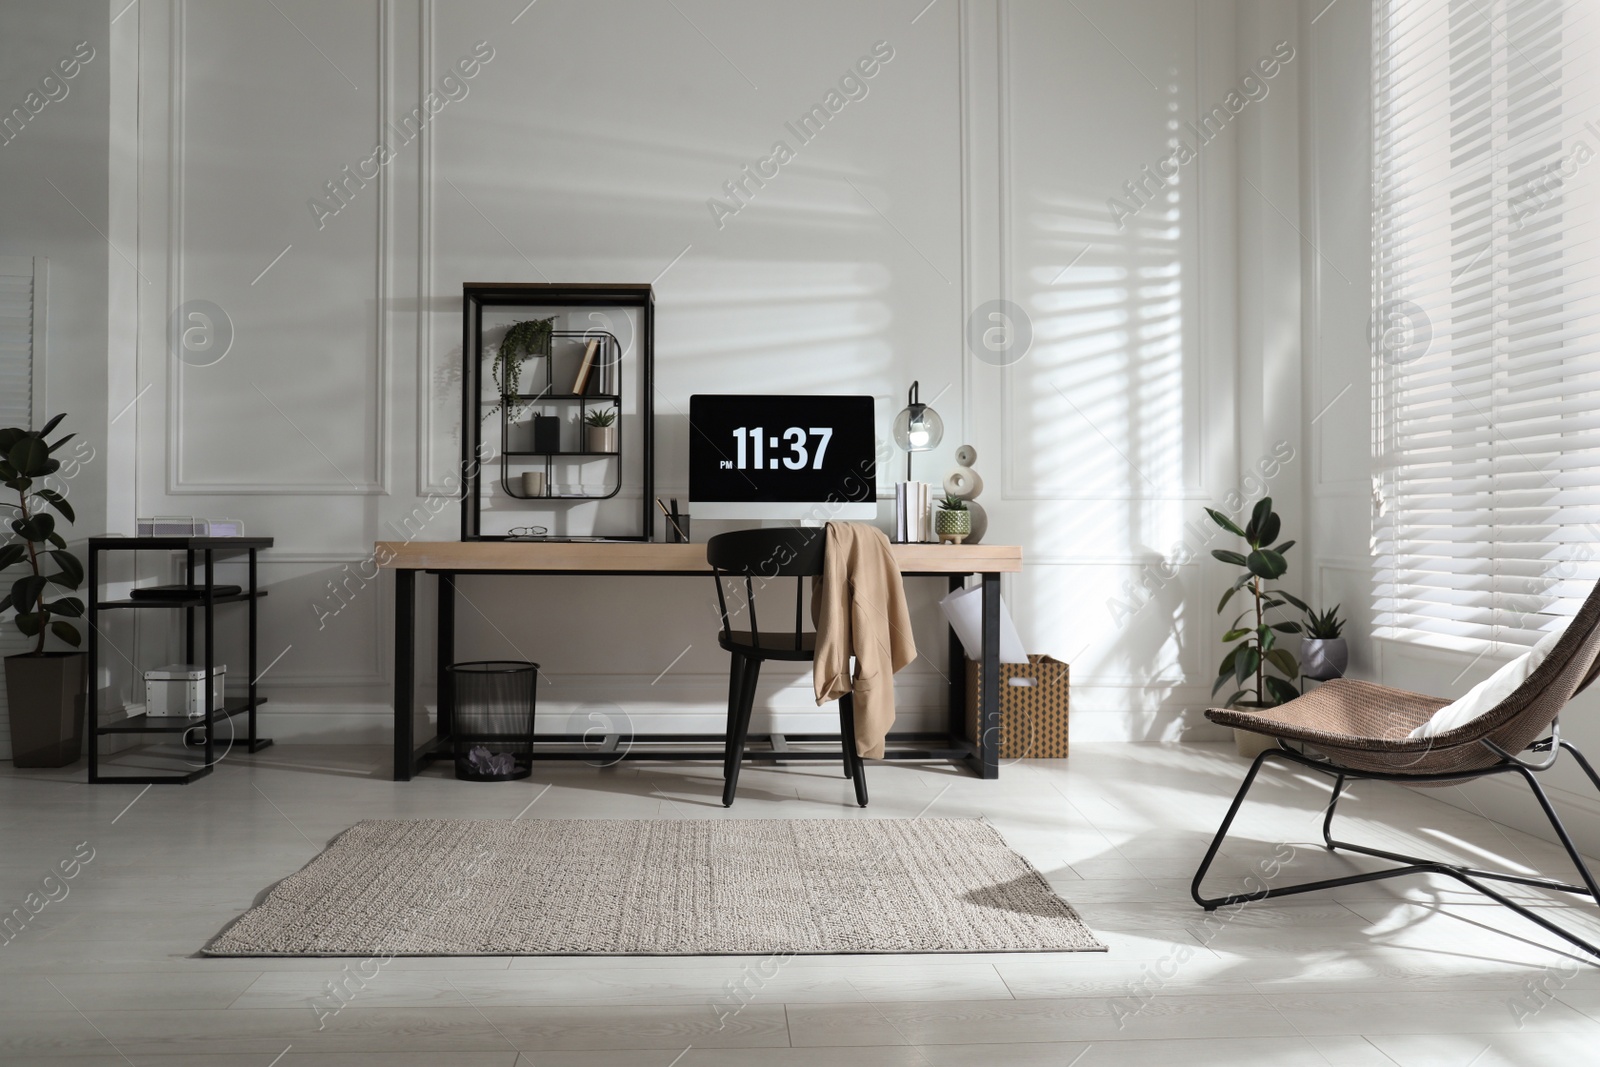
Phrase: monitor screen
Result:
[757,452]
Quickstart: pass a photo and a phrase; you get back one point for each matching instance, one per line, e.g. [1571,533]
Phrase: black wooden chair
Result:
[758,557]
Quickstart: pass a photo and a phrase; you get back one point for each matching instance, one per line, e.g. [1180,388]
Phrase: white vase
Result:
[600,438]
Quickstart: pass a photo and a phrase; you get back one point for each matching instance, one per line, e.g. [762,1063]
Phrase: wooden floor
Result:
[1412,975]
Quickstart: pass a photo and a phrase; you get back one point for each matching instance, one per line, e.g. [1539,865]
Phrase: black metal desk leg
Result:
[989,698]
[211,659]
[91,700]
[250,694]
[444,680]
[405,642]
[956,711]
[188,613]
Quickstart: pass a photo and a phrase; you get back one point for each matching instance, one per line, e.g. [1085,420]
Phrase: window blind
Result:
[1486,325]
[16,409]
[16,348]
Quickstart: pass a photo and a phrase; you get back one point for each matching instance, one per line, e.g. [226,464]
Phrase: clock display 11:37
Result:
[790,449]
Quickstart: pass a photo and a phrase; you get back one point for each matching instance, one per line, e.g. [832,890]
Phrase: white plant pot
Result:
[600,438]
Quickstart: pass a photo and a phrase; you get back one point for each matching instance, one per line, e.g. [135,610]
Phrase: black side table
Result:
[206,550]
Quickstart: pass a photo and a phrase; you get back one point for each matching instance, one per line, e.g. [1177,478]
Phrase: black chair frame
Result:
[1472,877]
[766,555]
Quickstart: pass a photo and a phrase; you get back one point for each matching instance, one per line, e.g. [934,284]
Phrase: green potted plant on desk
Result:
[1256,654]
[600,430]
[44,688]
[953,520]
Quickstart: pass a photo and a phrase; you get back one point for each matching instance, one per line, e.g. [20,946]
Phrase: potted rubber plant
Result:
[1263,672]
[952,521]
[600,430]
[44,687]
[1323,652]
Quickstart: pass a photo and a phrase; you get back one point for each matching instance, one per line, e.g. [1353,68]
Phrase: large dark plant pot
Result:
[46,698]
[1324,658]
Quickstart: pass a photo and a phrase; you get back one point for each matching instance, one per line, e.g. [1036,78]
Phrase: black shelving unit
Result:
[534,298]
[610,360]
[199,552]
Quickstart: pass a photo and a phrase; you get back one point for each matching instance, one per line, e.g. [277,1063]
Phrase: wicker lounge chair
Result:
[1354,730]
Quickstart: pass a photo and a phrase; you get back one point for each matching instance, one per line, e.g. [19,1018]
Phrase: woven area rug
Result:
[660,887]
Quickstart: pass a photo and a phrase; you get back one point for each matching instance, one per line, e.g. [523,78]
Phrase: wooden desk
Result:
[447,559]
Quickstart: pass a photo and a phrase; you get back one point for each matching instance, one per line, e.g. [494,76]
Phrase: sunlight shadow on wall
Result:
[1100,424]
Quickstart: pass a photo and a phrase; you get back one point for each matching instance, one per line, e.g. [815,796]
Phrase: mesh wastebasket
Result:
[492,737]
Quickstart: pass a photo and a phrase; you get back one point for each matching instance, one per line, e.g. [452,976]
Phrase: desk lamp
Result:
[918,428]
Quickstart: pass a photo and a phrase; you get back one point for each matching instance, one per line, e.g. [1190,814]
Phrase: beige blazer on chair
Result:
[859,607]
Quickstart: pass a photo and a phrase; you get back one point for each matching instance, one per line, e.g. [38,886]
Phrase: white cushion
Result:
[1484,696]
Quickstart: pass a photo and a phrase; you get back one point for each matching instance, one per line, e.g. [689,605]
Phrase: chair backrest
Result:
[1525,715]
[762,555]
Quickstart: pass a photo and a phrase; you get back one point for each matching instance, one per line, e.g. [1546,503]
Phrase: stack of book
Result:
[582,381]
[913,512]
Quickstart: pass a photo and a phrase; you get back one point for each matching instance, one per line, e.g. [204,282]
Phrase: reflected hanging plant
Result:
[1255,653]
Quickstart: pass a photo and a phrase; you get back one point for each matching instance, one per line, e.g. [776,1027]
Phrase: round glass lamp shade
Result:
[918,428]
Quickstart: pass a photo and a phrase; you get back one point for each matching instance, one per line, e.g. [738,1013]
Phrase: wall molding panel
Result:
[819,288]
[178,483]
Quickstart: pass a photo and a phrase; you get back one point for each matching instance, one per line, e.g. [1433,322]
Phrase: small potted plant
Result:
[600,430]
[1323,653]
[44,688]
[952,521]
[523,340]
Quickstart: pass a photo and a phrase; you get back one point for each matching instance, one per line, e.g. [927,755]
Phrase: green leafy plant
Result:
[1253,635]
[600,417]
[1326,626]
[24,459]
[530,337]
[953,503]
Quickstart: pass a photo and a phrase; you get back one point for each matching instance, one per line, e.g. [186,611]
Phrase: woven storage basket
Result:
[1033,707]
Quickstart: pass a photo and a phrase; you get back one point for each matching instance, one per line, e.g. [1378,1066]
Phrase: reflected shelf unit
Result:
[201,555]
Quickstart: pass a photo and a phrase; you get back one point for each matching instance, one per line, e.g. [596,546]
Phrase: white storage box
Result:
[178,690]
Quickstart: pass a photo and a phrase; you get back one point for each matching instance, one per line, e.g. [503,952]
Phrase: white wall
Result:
[53,169]
[979,167]
[1338,370]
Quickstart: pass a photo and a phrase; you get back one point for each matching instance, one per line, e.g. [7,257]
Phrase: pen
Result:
[672,518]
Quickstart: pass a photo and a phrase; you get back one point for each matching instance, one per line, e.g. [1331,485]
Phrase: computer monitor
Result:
[782,457]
